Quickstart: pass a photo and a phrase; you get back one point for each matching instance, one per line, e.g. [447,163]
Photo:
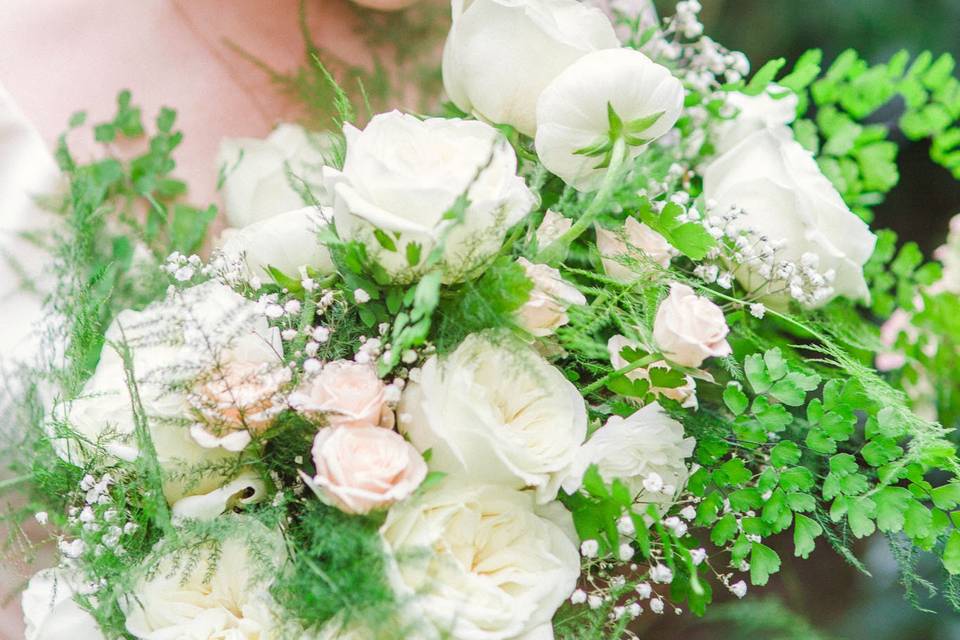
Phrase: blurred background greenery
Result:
[824,597]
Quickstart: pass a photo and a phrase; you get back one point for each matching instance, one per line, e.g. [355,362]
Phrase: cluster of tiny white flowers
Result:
[183,268]
[101,526]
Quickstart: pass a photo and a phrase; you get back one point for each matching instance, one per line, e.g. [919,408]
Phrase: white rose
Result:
[689,328]
[755,113]
[286,241]
[685,394]
[786,198]
[262,178]
[572,112]
[500,54]
[497,413]
[402,174]
[631,449]
[170,345]
[546,308]
[51,613]
[640,238]
[499,568]
[228,600]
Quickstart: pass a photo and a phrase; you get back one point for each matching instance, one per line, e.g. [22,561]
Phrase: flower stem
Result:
[556,251]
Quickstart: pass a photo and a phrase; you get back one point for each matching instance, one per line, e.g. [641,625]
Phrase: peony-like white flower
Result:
[172,343]
[648,443]
[573,112]
[773,109]
[499,565]
[286,241]
[640,238]
[402,174]
[546,308]
[496,413]
[346,394]
[685,394]
[51,613]
[786,198]
[360,469]
[689,328]
[263,178]
[223,595]
[500,54]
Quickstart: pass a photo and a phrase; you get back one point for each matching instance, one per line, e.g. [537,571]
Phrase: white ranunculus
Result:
[786,198]
[772,109]
[499,565]
[637,237]
[496,412]
[572,112]
[500,54]
[262,177]
[51,613]
[286,241]
[229,600]
[171,342]
[631,449]
[402,174]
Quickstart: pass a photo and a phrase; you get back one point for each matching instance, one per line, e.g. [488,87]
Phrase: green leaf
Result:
[692,240]
[951,553]
[880,451]
[732,472]
[773,417]
[756,371]
[946,496]
[764,562]
[892,504]
[664,378]
[784,454]
[805,530]
[724,530]
[413,250]
[189,228]
[764,76]
[385,240]
[797,479]
[735,399]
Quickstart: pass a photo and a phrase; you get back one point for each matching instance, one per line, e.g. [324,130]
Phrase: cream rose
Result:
[496,412]
[500,54]
[51,613]
[402,174]
[172,343]
[346,394]
[552,227]
[773,109]
[573,111]
[647,446]
[685,394]
[636,237]
[499,565]
[786,198]
[689,328]
[546,308]
[229,599]
[263,178]
[360,469]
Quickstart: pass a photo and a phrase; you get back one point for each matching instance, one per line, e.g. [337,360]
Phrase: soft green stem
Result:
[556,251]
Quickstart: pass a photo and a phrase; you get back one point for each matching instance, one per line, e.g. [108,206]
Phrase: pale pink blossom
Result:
[347,394]
[546,308]
[689,328]
[636,238]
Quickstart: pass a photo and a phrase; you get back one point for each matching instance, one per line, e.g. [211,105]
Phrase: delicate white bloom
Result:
[572,112]
[698,555]
[634,609]
[41,517]
[739,589]
[784,196]
[578,597]
[755,113]
[625,552]
[264,178]
[647,451]
[589,548]
[50,612]
[500,565]
[641,239]
[689,512]
[223,595]
[402,175]
[594,602]
[625,525]
[644,590]
[500,54]
[689,328]
[758,310]
[552,227]
[497,413]
[685,394]
[661,574]
[546,308]
[656,605]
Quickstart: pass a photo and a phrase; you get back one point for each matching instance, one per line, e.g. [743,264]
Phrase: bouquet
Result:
[596,343]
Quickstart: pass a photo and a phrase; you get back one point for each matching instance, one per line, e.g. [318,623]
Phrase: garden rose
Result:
[786,198]
[500,566]
[500,54]
[496,412]
[51,613]
[686,394]
[546,309]
[347,394]
[552,227]
[631,449]
[573,110]
[360,469]
[774,108]
[402,174]
[689,328]
[640,238]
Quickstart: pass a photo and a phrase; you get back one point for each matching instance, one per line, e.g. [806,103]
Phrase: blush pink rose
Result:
[348,394]
[688,328]
[636,238]
[360,469]
[546,308]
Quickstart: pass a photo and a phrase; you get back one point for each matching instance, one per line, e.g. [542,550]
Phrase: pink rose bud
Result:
[689,328]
